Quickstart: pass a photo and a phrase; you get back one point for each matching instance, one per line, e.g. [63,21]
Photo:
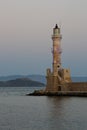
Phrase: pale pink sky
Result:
[25,35]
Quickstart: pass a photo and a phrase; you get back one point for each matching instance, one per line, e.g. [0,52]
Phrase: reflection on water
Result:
[19,112]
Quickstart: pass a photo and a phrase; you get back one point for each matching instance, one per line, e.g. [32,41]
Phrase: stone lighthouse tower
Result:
[56,51]
[58,76]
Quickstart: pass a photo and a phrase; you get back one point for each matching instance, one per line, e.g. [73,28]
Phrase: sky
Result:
[25,35]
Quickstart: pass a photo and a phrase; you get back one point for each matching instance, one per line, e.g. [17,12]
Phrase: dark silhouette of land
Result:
[21,82]
[35,77]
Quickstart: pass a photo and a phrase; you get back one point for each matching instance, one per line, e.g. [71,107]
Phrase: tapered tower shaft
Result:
[56,37]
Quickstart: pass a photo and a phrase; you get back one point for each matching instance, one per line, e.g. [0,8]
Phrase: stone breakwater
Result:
[59,93]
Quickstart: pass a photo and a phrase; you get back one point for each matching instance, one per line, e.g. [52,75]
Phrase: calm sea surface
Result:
[20,112]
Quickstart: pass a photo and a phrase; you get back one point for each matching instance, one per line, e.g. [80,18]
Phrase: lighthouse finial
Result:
[56,27]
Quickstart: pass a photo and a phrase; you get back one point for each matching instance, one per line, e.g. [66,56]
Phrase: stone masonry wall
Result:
[77,86]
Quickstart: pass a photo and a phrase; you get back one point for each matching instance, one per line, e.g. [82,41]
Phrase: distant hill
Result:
[20,82]
[39,78]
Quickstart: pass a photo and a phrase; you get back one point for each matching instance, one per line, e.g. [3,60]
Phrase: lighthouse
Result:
[56,51]
[58,79]
[58,76]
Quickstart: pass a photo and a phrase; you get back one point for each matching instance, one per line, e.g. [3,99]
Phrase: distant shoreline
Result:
[21,82]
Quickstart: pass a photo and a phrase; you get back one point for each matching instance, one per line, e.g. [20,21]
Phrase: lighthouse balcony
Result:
[57,36]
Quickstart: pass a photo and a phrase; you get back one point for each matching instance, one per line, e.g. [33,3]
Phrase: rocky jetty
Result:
[59,93]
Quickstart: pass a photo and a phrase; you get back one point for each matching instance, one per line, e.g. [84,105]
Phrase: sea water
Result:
[20,112]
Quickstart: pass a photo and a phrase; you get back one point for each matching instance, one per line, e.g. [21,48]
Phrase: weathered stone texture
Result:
[77,86]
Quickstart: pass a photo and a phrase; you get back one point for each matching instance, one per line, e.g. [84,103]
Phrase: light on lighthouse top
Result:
[56,32]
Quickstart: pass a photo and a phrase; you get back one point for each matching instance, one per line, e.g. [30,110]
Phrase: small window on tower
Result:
[58,66]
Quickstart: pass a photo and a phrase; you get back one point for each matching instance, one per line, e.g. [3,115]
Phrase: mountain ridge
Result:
[39,78]
[21,82]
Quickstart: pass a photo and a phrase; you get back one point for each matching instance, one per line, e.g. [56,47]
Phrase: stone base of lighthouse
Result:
[57,82]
